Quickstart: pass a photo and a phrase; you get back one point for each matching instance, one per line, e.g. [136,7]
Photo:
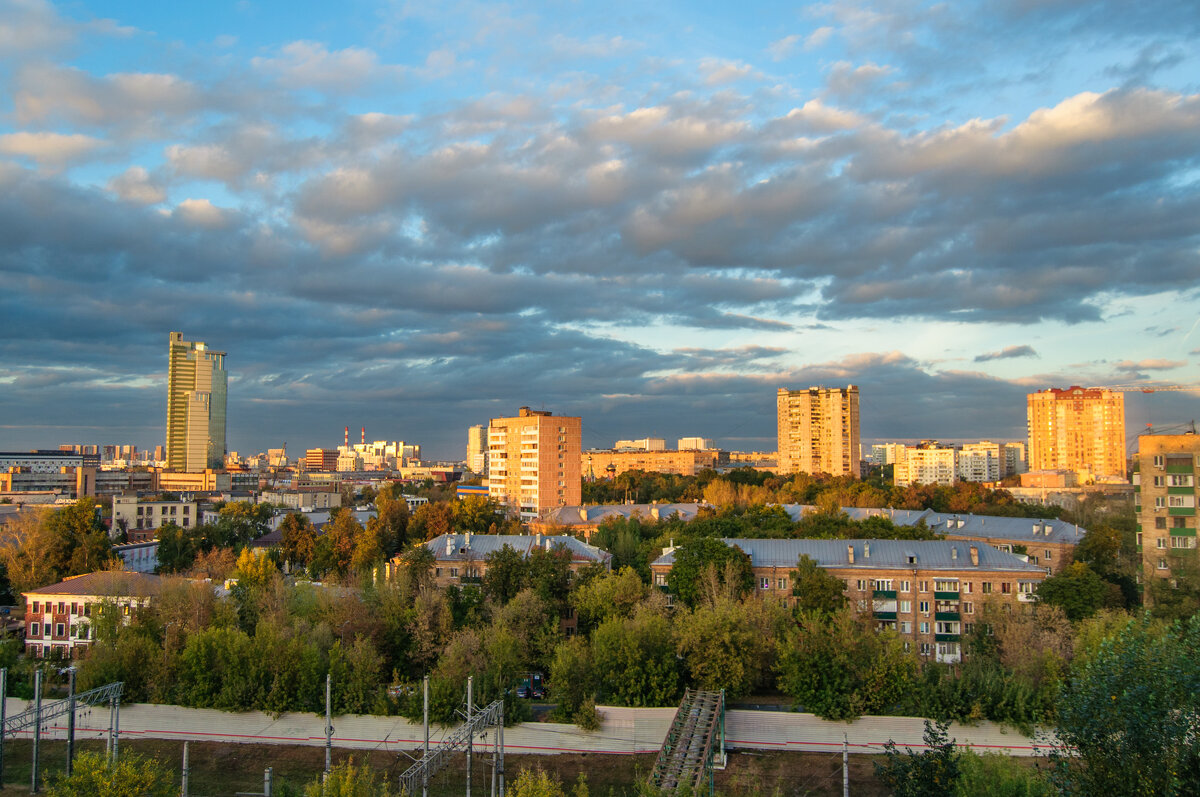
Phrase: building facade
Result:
[477,449]
[607,464]
[818,431]
[1165,499]
[130,513]
[534,461]
[58,617]
[323,459]
[929,592]
[196,393]
[1078,429]
[928,463]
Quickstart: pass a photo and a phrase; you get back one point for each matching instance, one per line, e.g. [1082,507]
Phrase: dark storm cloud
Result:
[1006,353]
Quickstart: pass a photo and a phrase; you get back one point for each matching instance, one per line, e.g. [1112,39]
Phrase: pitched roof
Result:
[463,547]
[965,524]
[876,554]
[108,583]
[578,515]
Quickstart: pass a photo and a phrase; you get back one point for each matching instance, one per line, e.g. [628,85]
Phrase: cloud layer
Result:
[448,216]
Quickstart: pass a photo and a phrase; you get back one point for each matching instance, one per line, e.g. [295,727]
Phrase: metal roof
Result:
[578,515]
[876,554]
[964,524]
[463,547]
[111,583]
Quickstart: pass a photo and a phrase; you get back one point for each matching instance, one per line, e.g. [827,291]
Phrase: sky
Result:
[414,217]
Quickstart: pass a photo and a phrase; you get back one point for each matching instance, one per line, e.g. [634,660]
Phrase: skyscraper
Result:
[534,461]
[196,389]
[818,430]
[1078,429]
[477,449]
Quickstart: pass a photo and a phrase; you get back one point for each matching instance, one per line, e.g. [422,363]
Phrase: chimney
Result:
[850,553]
[449,544]
[538,540]
[974,556]
[654,512]
[583,514]
[364,435]
[467,540]
[346,438]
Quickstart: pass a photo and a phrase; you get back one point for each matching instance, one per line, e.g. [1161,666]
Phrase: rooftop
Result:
[463,547]
[111,583]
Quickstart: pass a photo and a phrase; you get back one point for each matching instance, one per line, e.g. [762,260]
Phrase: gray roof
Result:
[985,527]
[463,547]
[577,515]
[877,554]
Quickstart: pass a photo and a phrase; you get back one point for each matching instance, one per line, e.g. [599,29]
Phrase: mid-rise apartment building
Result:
[929,592]
[928,463]
[694,444]
[818,431]
[644,444]
[1078,429]
[325,459]
[1165,499]
[196,395]
[607,464]
[131,513]
[477,450]
[58,617]
[534,461]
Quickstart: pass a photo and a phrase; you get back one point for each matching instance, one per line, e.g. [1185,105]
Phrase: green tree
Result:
[729,645]
[390,524]
[710,558]
[996,775]
[840,667]
[610,594]
[638,660]
[1077,590]
[506,574]
[131,776]
[176,549]
[933,771]
[1127,719]
[816,589]
[573,679]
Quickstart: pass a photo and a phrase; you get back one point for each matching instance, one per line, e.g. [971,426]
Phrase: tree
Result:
[350,780]
[390,523]
[431,520]
[572,677]
[1077,589]
[728,564]
[299,538]
[610,594]
[176,549]
[727,645]
[506,574]
[816,589]
[840,667]
[1127,719]
[131,776]
[931,772]
[637,659]
[537,782]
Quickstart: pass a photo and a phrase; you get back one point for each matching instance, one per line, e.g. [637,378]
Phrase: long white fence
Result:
[623,731]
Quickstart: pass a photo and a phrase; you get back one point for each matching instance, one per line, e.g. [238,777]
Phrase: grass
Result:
[220,769]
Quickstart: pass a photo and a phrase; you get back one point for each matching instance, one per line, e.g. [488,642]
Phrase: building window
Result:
[943,585]
[906,626]
[1162,564]
[764,582]
[1159,502]
[987,588]
[35,629]
[1160,522]
[60,629]
[1158,481]
[1047,555]
[967,587]
[782,583]
[968,607]
[1158,460]
[660,580]
[1180,480]
[926,648]
[862,585]
[924,607]
[924,628]
[1005,588]
[37,607]
[1181,500]
[1183,542]
[1160,543]
[1026,587]
[923,586]
[1139,539]
[906,606]
[905,586]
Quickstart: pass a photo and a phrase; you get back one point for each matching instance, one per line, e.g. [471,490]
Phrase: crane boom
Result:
[1143,388]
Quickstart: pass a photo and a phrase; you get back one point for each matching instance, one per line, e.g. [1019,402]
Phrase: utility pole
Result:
[845,765]
[3,716]
[37,727]
[70,718]
[328,723]
[470,741]
[500,741]
[425,723]
[116,728]
[184,785]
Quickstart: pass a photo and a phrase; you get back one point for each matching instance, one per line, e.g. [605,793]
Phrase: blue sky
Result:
[417,216]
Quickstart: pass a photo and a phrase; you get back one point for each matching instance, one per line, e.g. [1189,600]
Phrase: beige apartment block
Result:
[1078,429]
[607,464]
[928,591]
[196,393]
[534,461]
[1165,500]
[818,431]
[928,463]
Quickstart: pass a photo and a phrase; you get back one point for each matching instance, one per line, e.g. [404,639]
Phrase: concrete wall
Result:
[624,730]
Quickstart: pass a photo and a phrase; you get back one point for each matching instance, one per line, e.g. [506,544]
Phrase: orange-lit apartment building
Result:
[1165,499]
[818,431]
[1078,429]
[534,461]
[607,464]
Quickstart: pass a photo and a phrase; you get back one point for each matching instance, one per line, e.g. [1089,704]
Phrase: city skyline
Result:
[416,219]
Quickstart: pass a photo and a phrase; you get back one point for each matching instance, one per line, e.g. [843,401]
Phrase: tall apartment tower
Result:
[477,449]
[818,431]
[1078,429]
[534,461]
[1165,499]
[196,390]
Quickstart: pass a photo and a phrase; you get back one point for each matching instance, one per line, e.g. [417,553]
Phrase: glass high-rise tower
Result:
[196,390]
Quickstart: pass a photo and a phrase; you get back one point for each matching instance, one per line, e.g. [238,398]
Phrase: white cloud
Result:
[136,185]
[718,71]
[53,150]
[311,65]
[818,37]
[783,48]
[202,213]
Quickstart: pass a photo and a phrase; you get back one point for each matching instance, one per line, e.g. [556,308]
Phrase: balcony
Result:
[945,637]
[885,594]
[953,616]
[885,615]
[1180,469]
[946,596]
[1181,511]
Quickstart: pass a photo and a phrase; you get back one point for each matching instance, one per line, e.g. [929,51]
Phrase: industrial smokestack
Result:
[346,438]
[364,435]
